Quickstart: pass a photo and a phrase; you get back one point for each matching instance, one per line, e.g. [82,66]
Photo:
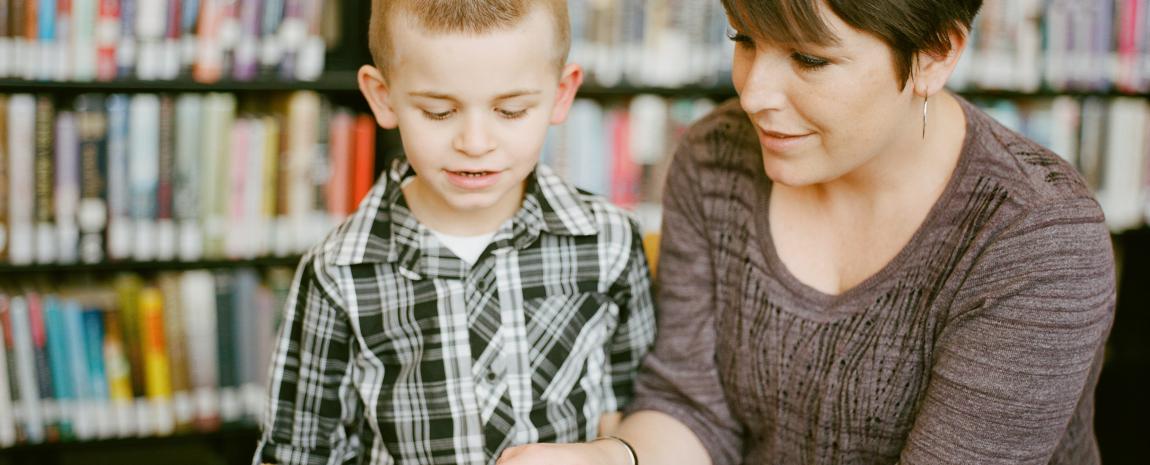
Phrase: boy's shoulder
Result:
[579,212]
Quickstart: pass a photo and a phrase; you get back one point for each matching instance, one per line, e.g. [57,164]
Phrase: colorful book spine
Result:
[186,179]
[118,371]
[49,409]
[92,216]
[363,170]
[25,354]
[198,300]
[157,369]
[119,207]
[58,362]
[101,409]
[175,336]
[166,240]
[107,39]
[84,420]
[44,204]
[4,167]
[67,190]
[143,174]
[82,51]
[7,408]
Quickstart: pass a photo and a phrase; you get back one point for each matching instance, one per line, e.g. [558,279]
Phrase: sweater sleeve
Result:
[1019,354]
[680,377]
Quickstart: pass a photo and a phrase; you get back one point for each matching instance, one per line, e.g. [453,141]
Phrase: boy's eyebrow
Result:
[503,96]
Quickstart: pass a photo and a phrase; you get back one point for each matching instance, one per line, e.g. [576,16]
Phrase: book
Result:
[107,40]
[25,355]
[186,177]
[118,371]
[143,174]
[120,224]
[156,364]
[4,182]
[45,121]
[22,174]
[67,187]
[198,301]
[166,232]
[7,408]
[92,213]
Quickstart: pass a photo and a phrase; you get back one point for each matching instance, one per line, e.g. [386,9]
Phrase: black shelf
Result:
[264,262]
[231,444]
[331,81]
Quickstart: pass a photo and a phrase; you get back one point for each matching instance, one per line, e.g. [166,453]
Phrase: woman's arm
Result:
[1021,351]
[679,415]
[658,439]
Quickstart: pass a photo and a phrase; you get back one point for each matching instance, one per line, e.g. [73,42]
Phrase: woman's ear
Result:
[570,79]
[931,71]
[375,89]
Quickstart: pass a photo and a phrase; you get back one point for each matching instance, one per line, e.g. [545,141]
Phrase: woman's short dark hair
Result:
[907,26]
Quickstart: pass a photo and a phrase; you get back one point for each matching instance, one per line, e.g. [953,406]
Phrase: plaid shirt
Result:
[395,351]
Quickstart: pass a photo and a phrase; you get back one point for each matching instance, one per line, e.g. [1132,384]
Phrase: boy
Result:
[474,301]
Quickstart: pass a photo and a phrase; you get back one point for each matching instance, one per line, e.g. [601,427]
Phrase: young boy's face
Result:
[473,111]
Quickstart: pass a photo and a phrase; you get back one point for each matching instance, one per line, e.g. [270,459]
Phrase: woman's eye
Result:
[511,114]
[808,61]
[437,116]
[739,38]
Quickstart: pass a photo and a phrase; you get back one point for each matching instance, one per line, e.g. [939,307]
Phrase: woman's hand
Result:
[601,452]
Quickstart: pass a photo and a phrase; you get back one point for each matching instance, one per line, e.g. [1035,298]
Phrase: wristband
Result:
[625,444]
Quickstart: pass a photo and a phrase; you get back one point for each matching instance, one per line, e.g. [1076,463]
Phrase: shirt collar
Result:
[383,229]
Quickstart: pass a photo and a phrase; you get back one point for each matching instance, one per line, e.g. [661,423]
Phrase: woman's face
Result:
[824,111]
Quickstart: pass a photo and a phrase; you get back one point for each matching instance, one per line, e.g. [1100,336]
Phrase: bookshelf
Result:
[621,92]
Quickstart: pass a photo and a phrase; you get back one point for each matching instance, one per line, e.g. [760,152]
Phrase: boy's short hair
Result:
[461,16]
[907,26]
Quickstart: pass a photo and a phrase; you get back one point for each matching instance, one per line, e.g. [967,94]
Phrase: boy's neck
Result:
[437,215]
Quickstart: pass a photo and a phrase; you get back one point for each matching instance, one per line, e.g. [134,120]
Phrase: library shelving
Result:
[645,83]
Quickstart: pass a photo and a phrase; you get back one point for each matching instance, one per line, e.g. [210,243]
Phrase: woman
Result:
[859,267]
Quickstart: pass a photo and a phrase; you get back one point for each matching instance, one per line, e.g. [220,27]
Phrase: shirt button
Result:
[491,376]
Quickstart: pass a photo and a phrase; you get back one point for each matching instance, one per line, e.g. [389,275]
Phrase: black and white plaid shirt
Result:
[394,351]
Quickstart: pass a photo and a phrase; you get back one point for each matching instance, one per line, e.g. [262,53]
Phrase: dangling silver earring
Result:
[924,102]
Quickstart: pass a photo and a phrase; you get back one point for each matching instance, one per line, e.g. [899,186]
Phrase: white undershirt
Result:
[467,248]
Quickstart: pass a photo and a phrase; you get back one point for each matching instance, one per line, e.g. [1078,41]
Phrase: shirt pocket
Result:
[565,332]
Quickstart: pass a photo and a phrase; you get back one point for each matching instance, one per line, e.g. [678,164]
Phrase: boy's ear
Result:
[375,90]
[569,81]
[932,71]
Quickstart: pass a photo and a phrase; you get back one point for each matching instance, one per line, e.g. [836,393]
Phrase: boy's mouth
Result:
[472,174]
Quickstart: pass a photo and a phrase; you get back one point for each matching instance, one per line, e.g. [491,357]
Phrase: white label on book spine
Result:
[45,243]
[145,241]
[166,240]
[310,65]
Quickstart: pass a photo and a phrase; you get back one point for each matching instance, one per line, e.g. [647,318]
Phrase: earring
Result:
[924,102]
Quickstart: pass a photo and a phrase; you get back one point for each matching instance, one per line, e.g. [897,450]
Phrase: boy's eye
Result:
[511,114]
[437,116]
[808,61]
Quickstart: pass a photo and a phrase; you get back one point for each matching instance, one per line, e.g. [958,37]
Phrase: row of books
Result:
[1107,139]
[161,177]
[208,40]
[1024,45]
[651,42]
[136,357]
[621,149]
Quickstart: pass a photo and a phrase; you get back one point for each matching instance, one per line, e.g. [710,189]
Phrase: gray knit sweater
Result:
[979,343]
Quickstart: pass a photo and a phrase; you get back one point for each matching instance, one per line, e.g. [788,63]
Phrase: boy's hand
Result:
[587,453]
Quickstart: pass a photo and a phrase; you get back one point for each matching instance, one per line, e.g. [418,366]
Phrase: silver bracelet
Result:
[625,444]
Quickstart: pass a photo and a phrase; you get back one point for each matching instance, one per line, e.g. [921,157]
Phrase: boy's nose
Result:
[474,139]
